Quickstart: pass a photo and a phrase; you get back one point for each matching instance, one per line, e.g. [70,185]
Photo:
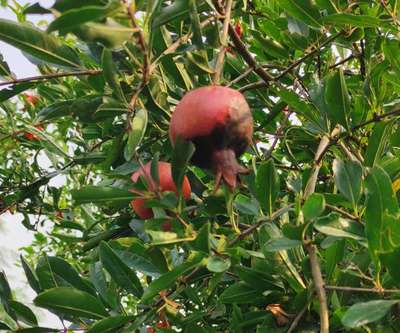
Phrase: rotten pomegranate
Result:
[166,183]
[218,121]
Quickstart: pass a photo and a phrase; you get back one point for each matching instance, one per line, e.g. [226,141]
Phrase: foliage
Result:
[317,216]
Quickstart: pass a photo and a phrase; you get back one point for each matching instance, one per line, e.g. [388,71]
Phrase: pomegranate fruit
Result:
[166,183]
[219,122]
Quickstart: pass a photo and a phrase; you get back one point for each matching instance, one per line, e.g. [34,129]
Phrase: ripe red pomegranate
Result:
[166,184]
[218,121]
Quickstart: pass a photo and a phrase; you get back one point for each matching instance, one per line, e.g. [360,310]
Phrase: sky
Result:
[13,235]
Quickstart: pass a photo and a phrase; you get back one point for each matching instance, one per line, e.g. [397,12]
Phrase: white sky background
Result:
[13,235]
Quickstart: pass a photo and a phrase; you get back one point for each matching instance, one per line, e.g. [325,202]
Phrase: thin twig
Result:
[146,61]
[351,56]
[219,65]
[240,77]
[343,212]
[279,132]
[263,83]
[261,221]
[377,118]
[242,50]
[319,287]
[51,76]
[296,320]
[363,290]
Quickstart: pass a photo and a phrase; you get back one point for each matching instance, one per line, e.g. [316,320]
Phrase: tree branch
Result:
[319,287]
[363,290]
[146,60]
[377,118]
[219,65]
[51,76]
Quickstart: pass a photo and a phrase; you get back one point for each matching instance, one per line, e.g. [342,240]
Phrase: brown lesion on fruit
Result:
[219,150]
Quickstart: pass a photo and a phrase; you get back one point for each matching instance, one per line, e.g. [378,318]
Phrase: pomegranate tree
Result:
[218,121]
[166,183]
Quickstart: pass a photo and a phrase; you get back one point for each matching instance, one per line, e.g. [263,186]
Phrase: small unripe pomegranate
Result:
[31,99]
[239,29]
[166,184]
[219,122]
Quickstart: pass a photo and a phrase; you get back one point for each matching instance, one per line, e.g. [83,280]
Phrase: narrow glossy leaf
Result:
[136,133]
[4,326]
[241,293]
[110,324]
[390,50]
[119,271]
[348,179]
[381,201]
[337,99]
[166,280]
[38,330]
[334,255]
[202,242]
[37,43]
[69,20]
[98,278]
[71,302]
[110,33]
[54,111]
[5,72]
[194,17]
[334,225]
[343,19]
[8,93]
[110,74]
[267,186]
[377,142]
[90,158]
[183,151]
[280,244]
[218,264]
[303,10]
[24,313]
[179,8]
[101,194]
[314,206]
[364,313]
[5,290]
[258,280]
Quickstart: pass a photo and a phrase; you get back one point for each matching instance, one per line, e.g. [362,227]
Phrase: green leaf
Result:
[390,50]
[279,244]
[110,324]
[377,142]
[166,280]
[37,43]
[14,90]
[314,206]
[334,225]
[24,313]
[364,313]
[218,264]
[119,272]
[98,194]
[202,242]
[303,10]
[110,73]
[182,154]
[38,330]
[70,19]
[54,111]
[73,302]
[337,99]
[241,293]
[267,186]
[257,279]
[178,9]
[5,72]
[30,275]
[348,179]
[343,19]
[381,202]
[136,133]
[194,17]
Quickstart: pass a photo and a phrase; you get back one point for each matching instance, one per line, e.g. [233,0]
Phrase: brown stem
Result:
[319,287]
[146,61]
[363,290]
[279,132]
[296,320]
[377,118]
[219,65]
[240,77]
[343,212]
[51,76]
[351,56]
